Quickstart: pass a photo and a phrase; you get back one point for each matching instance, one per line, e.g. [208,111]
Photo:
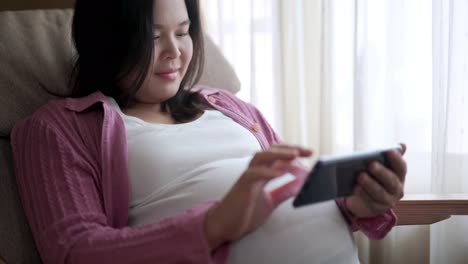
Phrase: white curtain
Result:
[449,240]
[247,31]
[349,75]
[390,71]
[393,103]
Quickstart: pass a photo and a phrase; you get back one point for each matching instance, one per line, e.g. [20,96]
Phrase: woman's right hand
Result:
[247,205]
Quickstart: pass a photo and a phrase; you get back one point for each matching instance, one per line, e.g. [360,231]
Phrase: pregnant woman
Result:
[139,165]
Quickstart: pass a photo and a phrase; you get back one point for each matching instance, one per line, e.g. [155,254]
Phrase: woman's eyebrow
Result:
[181,24]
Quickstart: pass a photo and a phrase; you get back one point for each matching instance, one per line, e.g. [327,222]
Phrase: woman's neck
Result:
[150,113]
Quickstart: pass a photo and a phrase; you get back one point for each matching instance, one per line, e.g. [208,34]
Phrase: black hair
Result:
[114,38]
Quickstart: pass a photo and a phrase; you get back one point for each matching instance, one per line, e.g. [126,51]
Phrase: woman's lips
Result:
[170,75]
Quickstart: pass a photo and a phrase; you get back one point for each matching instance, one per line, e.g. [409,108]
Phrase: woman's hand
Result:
[247,205]
[373,195]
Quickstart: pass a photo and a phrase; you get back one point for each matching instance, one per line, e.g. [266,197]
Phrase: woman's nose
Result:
[171,49]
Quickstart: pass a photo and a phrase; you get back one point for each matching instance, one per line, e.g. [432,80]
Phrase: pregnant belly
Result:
[310,234]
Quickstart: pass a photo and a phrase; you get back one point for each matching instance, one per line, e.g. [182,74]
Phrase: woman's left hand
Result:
[379,188]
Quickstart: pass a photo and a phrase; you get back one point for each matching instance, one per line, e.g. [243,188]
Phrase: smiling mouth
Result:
[170,75]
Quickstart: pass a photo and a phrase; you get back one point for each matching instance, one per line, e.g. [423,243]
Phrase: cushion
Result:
[35,48]
[36,51]
[16,242]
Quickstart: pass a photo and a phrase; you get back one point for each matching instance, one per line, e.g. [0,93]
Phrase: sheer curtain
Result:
[393,103]
[352,75]
[390,71]
[247,31]
[449,242]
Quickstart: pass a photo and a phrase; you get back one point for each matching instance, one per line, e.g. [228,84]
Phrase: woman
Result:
[135,168]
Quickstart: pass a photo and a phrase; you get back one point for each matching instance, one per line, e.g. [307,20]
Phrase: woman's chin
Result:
[168,85]
[165,90]
[166,94]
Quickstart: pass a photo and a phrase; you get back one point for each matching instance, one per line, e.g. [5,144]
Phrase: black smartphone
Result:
[335,176]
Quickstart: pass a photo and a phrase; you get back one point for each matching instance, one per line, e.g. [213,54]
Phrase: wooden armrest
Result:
[426,209]
[2,261]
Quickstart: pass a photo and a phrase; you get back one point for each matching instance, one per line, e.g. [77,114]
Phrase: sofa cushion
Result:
[36,51]
[35,48]
[16,242]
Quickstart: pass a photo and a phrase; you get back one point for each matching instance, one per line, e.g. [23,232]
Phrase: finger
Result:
[387,178]
[398,164]
[292,166]
[375,190]
[269,156]
[296,170]
[261,174]
[291,188]
[368,202]
[285,192]
[302,150]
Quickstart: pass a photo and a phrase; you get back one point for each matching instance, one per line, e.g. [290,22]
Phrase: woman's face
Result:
[173,49]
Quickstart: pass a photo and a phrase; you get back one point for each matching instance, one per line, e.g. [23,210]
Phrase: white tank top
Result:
[175,167]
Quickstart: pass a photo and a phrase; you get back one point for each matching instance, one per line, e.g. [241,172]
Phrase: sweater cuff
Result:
[218,255]
[348,216]
[374,228]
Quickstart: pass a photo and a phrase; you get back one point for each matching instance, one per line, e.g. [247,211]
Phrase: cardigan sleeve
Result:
[62,199]
[375,228]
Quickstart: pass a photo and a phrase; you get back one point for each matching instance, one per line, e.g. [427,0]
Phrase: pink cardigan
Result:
[71,168]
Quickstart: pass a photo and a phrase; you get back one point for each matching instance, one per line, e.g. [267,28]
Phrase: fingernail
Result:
[403,148]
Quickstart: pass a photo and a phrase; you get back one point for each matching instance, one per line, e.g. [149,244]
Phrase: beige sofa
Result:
[35,48]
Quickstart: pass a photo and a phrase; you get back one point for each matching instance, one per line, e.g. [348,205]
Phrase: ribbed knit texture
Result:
[71,168]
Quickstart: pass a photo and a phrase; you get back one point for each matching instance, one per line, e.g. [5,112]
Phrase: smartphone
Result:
[335,176]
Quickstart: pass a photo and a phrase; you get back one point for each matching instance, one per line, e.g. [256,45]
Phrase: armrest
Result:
[2,261]
[426,209]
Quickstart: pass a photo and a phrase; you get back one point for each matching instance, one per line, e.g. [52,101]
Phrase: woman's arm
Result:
[63,202]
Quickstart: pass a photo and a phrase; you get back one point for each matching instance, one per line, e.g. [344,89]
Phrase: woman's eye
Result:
[183,34]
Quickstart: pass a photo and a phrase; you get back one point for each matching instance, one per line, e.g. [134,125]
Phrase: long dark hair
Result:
[115,37]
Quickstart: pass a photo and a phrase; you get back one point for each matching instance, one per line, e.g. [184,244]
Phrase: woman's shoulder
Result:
[48,112]
[58,113]
[45,121]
